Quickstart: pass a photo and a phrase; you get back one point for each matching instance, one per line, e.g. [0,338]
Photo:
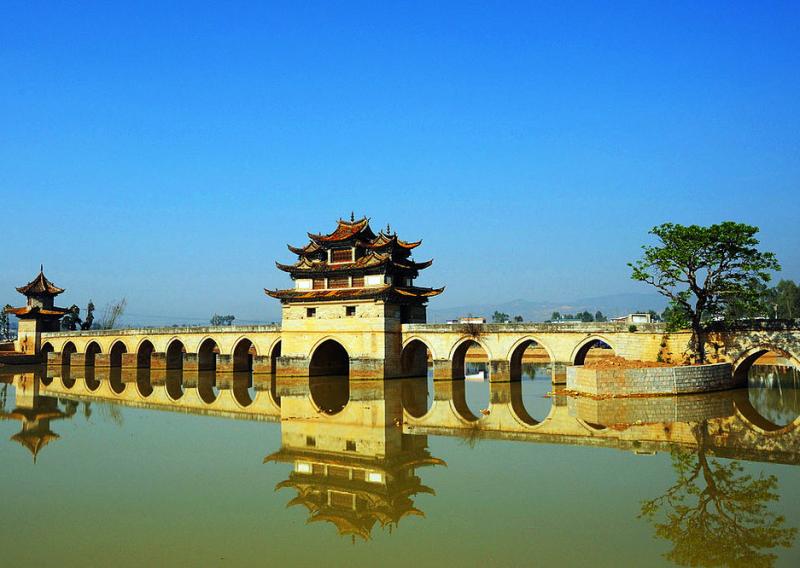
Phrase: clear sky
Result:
[168,152]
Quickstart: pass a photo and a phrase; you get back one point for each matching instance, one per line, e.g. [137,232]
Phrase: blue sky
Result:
[168,153]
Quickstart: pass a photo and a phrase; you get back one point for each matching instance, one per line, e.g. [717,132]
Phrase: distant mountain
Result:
[612,306]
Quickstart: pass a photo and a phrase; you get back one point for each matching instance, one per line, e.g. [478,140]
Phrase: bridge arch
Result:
[174,353]
[414,358]
[422,340]
[46,348]
[743,363]
[578,356]
[207,355]
[458,355]
[329,376]
[517,351]
[144,351]
[116,352]
[66,353]
[92,350]
[244,354]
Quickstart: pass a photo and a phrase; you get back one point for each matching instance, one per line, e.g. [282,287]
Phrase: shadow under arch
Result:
[174,354]
[244,353]
[458,357]
[115,380]
[92,350]
[90,380]
[144,353]
[45,350]
[517,354]
[414,396]
[414,358]
[207,355]
[594,342]
[742,366]
[66,353]
[329,377]
[273,371]
[116,352]
[241,383]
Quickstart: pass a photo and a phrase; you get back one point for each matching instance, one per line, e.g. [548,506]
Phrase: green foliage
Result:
[715,515]
[555,316]
[632,328]
[704,270]
[518,319]
[599,317]
[5,324]
[222,320]
[675,317]
[500,317]
[783,301]
[111,314]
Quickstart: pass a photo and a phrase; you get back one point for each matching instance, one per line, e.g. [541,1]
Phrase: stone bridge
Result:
[407,353]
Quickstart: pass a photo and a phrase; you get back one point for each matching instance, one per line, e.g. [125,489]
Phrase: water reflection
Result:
[359,451]
[715,514]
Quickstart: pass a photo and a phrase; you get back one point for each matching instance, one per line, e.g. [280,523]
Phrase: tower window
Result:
[311,441]
[350,311]
[339,282]
[358,281]
[350,446]
[311,312]
[342,255]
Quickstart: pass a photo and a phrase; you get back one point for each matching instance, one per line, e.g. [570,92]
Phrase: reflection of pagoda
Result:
[35,412]
[355,493]
[353,263]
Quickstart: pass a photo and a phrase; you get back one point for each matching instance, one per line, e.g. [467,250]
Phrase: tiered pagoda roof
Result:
[40,286]
[352,251]
[40,293]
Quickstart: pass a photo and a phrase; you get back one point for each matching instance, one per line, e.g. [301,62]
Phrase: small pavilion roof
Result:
[346,230]
[35,441]
[34,310]
[40,286]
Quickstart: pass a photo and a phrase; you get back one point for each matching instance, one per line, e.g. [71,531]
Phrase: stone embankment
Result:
[649,379]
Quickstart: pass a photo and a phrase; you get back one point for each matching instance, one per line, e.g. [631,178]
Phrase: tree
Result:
[499,317]
[715,514]
[585,317]
[518,319]
[111,313]
[555,316]
[702,270]
[222,320]
[598,316]
[783,301]
[654,315]
[5,324]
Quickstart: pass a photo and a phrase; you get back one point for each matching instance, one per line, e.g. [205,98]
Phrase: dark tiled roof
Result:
[40,285]
[354,293]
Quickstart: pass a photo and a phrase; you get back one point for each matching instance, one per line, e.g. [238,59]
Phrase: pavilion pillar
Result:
[499,371]
[363,369]
[55,358]
[293,367]
[158,361]
[130,360]
[224,363]
[190,362]
[560,373]
[77,360]
[262,365]
[443,370]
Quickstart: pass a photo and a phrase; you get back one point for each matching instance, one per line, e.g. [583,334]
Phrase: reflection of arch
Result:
[115,353]
[240,388]
[66,353]
[517,352]
[273,379]
[741,367]
[207,355]
[244,352]
[510,393]
[91,352]
[206,381]
[173,385]
[754,419]
[414,359]
[329,358]
[579,355]
[175,351]
[458,356]
[414,396]
[144,353]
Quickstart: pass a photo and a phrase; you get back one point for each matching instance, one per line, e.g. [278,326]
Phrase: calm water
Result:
[141,469]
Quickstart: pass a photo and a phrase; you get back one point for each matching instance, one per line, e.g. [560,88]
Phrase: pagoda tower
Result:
[39,314]
[354,288]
